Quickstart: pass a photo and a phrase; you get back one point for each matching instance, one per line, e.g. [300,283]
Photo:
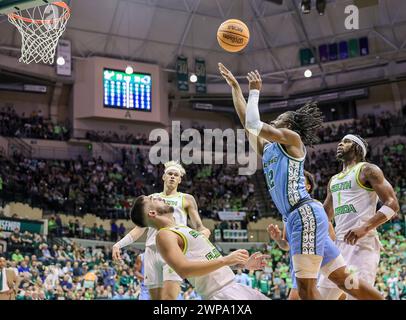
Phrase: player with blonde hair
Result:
[193,256]
[161,280]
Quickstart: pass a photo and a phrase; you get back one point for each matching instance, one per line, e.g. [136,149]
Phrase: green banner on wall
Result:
[10,224]
[183,74]
[200,67]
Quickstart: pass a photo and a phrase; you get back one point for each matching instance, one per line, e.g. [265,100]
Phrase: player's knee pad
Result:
[306,266]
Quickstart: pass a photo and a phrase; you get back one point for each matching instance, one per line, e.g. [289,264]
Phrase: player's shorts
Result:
[237,291]
[156,270]
[361,258]
[307,234]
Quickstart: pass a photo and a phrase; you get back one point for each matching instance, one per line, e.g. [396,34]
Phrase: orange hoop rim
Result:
[49,21]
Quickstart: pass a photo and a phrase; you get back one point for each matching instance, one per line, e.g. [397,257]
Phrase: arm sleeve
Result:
[252,120]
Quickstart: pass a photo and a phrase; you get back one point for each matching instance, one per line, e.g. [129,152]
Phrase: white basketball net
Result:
[40,29]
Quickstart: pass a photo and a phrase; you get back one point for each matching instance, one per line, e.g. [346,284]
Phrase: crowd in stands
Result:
[68,271]
[107,189]
[75,229]
[113,137]
[78,186]
[33,126]
[51,271]
[367,126]
[220,188]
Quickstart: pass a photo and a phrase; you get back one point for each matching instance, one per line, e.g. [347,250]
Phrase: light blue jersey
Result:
[305,219]
[285,178]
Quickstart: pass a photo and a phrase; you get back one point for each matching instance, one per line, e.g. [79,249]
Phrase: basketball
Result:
[233,35]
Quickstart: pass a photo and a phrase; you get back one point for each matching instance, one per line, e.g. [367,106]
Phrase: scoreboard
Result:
[127,91]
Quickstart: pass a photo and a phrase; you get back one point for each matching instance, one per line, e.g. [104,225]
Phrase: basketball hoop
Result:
[40,29]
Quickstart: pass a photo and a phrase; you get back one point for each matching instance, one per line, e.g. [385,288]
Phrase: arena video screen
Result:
[127,91]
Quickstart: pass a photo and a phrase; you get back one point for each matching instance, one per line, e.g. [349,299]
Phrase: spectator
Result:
[15,238]
[23,267]
[108,275]
[120,294]
[52,227]
[46,256]
[94,231]
[101,233]
[242,278]
[121,231]
[113,231]
[17,256]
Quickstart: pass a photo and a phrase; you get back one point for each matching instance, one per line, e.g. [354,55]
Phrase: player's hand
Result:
[116,253]
[206,233]
[237,257]
[274,232]
[227,75]
[254,80]
[354,235]
[257,261]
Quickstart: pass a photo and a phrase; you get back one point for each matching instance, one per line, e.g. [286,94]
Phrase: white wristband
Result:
[387,211]
[252,120]
[126,241]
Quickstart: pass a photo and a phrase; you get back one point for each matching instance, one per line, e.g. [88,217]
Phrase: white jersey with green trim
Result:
[353,203]
[177,202]
[198,248]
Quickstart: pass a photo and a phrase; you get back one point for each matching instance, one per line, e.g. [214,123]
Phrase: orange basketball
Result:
[233,35]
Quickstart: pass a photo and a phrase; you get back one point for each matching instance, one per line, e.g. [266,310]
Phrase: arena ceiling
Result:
[157,31]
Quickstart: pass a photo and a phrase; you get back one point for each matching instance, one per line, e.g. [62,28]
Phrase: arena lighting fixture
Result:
[306,6]
[129,70]
[321,6]
[193,78]
[308,73]
[60,61]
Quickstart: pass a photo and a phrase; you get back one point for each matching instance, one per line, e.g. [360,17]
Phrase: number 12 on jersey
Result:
[270,179]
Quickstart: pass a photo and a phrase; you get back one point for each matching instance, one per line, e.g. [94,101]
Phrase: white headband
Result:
[173,167]
[357,141]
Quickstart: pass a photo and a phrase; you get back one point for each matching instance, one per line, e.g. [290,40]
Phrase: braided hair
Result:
[306,121]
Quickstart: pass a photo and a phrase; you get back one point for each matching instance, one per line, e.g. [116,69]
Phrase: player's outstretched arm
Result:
[130,238]
[193,213]
[254,124]
[169,245]
[372,175]
[240,105]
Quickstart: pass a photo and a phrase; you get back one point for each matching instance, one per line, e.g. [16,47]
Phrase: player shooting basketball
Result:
[282,146]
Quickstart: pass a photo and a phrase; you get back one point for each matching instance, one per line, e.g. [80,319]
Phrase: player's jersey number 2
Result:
[270,178]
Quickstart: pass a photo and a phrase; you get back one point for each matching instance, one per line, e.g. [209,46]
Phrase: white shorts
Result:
[362,258]
[156,270]
[237,291]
